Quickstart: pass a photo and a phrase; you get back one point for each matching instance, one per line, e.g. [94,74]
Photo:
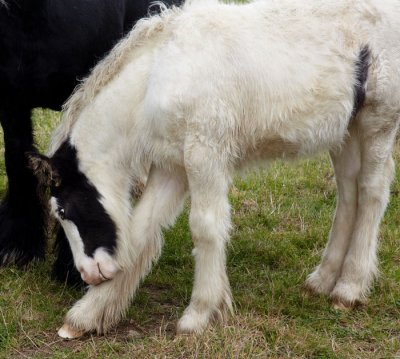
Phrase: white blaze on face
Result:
[94,270]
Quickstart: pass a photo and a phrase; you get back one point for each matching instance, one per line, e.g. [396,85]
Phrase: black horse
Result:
[46,46]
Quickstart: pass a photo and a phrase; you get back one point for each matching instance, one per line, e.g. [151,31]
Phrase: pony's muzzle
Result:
[101,268]
[96,277]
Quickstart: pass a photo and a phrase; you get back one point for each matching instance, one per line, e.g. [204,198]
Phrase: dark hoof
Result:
[22,239]
[13,256]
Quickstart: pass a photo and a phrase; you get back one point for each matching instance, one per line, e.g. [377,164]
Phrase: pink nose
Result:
[97,269]
[96,275]
[91,279]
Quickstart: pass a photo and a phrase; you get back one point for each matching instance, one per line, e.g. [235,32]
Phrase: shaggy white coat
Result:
[199,92]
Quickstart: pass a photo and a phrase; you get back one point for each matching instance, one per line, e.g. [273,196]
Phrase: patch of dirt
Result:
[160,323]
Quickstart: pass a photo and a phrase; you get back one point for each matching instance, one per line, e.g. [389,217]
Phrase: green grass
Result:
[281,221]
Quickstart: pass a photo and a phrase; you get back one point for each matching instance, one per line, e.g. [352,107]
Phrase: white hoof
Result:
[67,332]
[346,295]
[341,306]
[318,284]
[193,322]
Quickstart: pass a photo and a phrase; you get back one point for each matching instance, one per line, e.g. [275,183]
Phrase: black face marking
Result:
[79,202]
[361,72]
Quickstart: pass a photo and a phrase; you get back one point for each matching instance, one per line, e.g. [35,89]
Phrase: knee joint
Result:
[208,228]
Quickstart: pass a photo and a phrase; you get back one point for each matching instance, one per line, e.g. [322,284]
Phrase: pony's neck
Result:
[106,130]
[105,126]
[105,167]
[103,136]
[104,161]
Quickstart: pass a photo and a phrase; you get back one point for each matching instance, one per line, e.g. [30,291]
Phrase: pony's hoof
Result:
[192,323]
[340,306]
[315,284]
[67,332]
[347,296]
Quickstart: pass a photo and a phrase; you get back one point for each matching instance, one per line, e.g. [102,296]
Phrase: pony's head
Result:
[76,203]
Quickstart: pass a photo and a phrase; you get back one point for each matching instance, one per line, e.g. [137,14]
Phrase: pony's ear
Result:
[43,169]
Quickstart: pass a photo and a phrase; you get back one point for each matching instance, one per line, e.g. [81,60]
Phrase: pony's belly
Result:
[292,146]
[265,152]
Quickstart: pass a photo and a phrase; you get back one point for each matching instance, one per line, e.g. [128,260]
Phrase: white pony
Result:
[199,92]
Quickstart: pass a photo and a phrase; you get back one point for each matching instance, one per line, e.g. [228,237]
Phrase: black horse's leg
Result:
[64,269]
[22,224]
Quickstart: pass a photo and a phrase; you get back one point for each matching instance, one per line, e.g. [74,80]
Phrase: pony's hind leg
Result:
[103,305]
[376,174]
[346,163]
[210,225]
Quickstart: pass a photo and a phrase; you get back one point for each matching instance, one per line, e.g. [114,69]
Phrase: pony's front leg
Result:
[210,225]
[101,307]
[105,304]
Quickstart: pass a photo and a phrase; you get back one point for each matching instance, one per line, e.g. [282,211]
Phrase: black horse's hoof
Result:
[22,239]
[15,256]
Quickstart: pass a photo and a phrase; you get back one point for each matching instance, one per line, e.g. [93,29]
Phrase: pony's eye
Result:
[61,213]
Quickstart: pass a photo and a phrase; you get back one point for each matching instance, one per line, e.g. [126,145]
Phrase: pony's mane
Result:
[105,71]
